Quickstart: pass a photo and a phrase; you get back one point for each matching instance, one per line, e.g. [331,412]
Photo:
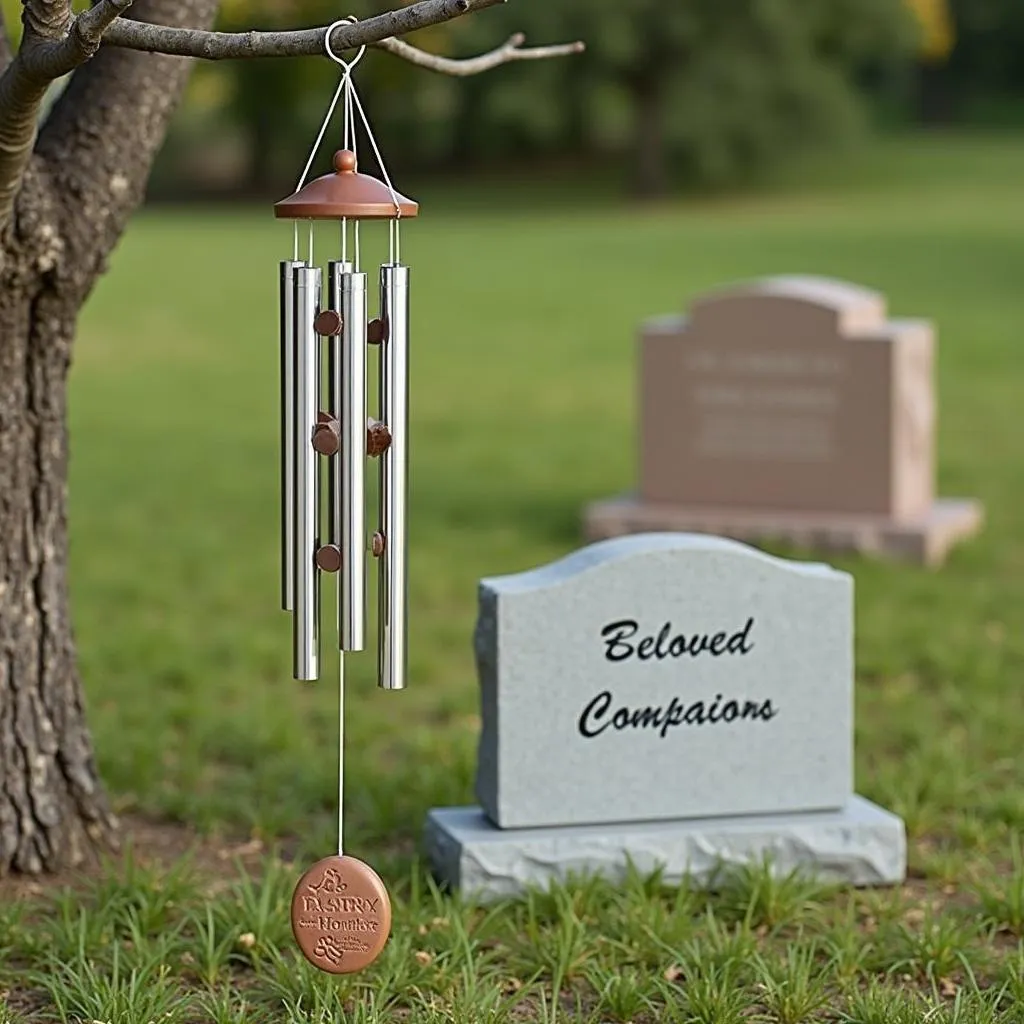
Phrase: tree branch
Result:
[22,91]
[510,51]
[183,42]
[80,43]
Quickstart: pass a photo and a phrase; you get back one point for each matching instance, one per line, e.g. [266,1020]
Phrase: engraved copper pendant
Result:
[341,915]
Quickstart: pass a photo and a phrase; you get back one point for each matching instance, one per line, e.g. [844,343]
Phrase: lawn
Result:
[524,314]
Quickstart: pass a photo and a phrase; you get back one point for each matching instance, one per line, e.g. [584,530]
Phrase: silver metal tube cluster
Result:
[335,441]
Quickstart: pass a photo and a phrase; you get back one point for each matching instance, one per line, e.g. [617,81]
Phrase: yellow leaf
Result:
[938,35]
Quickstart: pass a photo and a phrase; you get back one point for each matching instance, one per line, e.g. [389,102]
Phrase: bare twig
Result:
[510,51]
[183,42]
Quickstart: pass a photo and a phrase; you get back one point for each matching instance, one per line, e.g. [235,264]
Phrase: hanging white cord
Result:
[395,239]
[346,77]
[341,752]
[347,140]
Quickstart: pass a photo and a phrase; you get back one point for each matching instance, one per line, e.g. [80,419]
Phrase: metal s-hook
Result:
[347,65]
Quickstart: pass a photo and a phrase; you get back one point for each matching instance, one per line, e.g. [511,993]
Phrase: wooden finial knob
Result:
[345,161]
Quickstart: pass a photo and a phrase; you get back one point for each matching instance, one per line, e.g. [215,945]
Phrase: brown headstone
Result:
[786,407]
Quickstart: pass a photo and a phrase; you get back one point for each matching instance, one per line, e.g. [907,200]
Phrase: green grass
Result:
[525,312]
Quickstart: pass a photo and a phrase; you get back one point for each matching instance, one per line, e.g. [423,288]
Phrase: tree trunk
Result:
[936,100]
[88,174]
[650,167]
[52,806]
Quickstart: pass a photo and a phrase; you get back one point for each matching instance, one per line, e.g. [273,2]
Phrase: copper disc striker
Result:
[341,915]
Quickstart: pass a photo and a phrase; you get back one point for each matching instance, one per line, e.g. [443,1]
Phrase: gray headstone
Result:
[664,676]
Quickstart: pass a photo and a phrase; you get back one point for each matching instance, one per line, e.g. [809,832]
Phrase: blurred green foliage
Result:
[701,92]
[721,88]
[709,91]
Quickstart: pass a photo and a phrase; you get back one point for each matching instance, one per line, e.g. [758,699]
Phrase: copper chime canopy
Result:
[345,193]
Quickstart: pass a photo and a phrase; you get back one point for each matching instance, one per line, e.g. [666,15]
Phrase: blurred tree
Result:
[987,63]
[938,36]
[727,86]
[259,92]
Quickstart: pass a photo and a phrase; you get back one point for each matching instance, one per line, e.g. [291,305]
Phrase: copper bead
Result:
[378,438]
[376,331]
[328,558]
[327,435]
[328,323]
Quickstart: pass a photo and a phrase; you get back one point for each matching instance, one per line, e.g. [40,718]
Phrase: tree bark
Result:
[87,176]
[52,806]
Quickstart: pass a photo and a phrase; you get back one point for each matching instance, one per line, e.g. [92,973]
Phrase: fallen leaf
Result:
[947,987]
[673,973]
[423,957]
[247,940]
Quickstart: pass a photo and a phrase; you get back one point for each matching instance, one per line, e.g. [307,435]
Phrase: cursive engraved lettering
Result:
[617,636]
[597,716]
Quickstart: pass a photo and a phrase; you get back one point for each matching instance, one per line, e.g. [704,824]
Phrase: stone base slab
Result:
[860,845]
[925,542]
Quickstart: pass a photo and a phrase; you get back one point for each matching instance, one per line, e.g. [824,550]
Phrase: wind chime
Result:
[341,913]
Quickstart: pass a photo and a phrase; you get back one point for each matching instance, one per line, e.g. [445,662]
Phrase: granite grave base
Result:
[925,541]
[860,845]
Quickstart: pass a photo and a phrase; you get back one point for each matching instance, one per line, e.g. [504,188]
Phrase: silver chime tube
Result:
[286,312]
[306,620]
[394,403]
[334,399]
[352,456]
